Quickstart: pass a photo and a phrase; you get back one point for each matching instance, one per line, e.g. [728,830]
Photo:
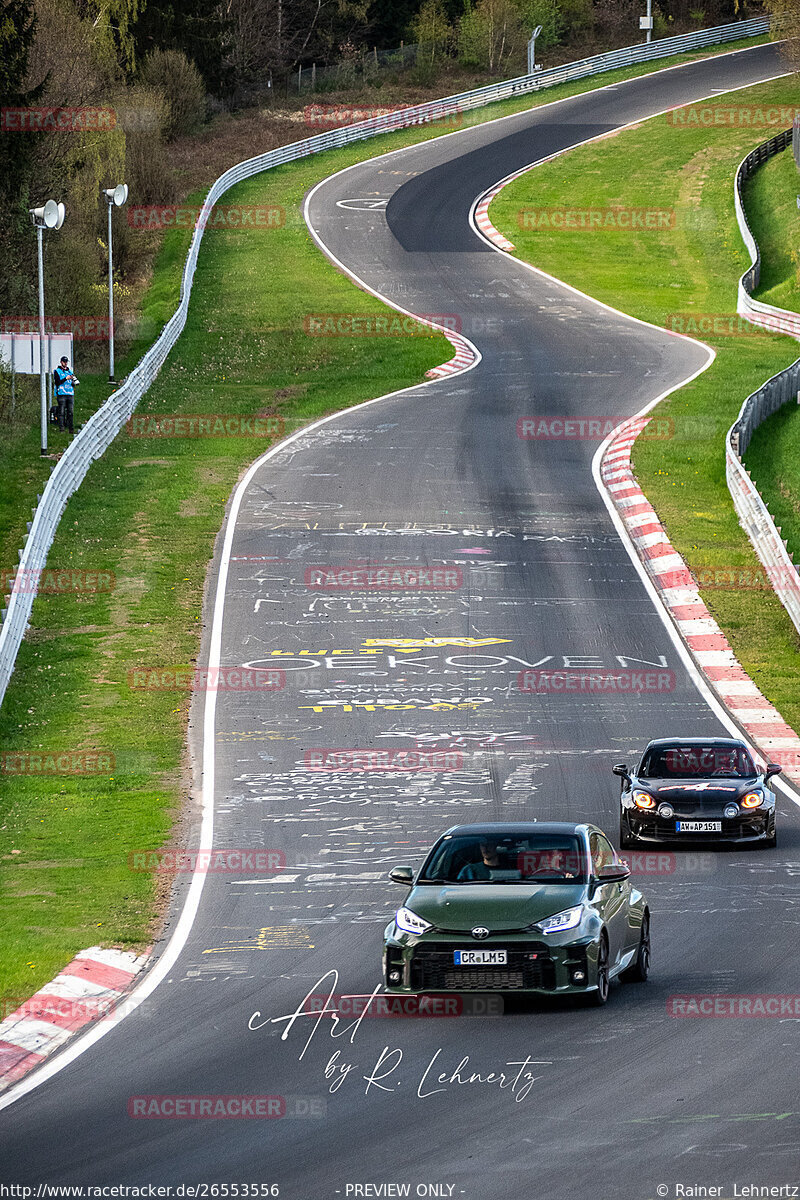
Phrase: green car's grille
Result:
[434,970]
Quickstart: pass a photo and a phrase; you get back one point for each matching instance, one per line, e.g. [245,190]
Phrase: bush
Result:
[181,84]
[143,114]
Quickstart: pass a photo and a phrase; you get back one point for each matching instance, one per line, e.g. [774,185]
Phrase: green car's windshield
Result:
[532,858]
[692,761]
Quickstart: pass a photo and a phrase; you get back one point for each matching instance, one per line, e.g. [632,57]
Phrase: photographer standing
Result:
[65,383]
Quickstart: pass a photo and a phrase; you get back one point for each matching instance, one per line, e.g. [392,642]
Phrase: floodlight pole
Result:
[110,202]
[532,49]
[49,216]
[115,196]
[42,386]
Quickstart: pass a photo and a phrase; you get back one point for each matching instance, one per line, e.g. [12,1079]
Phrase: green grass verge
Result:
[691,268]
[148,512]
[771,203]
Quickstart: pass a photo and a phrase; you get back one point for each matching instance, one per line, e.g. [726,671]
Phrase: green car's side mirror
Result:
[613,873]
[404,875]
[621,769]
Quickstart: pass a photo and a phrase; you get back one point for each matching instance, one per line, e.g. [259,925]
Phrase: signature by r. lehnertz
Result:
[386,1073]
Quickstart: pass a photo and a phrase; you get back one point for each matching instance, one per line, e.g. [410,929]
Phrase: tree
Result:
[113,22]
[547,13]
[490,34]
[432,30]
[199,30]
[788,14]
[17,33]
[388,23]
[270,37]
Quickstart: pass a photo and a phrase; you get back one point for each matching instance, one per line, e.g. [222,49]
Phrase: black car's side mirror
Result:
[404,875]
[622,770]
[772,769]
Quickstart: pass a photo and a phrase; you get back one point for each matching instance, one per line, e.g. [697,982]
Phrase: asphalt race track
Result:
[613,1101]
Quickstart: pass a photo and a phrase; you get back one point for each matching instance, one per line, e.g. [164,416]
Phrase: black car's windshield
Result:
[532,858]
[686,762]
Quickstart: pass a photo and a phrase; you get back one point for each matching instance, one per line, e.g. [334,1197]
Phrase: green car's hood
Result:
[462,906]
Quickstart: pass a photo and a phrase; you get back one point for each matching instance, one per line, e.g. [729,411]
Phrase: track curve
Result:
[437,477]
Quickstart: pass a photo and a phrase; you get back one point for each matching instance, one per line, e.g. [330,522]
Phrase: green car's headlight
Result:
[409,922]
[568,919]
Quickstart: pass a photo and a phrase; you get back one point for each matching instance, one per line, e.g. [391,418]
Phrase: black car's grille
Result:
[434,970]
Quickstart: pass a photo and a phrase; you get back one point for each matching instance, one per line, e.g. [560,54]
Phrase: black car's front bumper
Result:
[751,825]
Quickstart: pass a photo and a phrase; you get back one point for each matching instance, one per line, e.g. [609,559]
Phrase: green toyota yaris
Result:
[545,907]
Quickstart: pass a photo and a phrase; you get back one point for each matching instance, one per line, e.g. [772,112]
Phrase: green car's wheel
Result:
[625,841]
[600,995]
[639,969]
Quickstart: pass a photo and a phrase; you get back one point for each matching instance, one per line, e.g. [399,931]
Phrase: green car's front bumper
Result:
[562,963]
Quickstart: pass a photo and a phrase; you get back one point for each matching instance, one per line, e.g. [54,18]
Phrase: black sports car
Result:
[703,789]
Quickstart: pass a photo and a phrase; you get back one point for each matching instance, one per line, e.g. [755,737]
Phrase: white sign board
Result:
[645,22]
[20,351]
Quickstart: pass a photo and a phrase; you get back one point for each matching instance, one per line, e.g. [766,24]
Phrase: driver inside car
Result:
[489,866]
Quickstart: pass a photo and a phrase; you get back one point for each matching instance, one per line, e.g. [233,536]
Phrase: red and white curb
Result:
[709,647]
[87,989]
[464,357]
[481,216]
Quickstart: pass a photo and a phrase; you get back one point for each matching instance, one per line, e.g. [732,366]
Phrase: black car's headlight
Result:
[409,922]
[643,800]
[752,800]
[570,918]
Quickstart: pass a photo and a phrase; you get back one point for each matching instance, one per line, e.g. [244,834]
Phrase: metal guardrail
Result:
[101,429]
[753,513]
[752,276]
